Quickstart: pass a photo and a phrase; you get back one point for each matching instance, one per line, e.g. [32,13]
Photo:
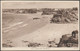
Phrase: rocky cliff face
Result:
[69,40]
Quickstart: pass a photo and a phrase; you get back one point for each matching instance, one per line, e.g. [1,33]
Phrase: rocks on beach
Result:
[65,16]
[69,41]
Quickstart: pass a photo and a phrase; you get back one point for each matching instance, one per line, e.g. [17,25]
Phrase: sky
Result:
[54,4]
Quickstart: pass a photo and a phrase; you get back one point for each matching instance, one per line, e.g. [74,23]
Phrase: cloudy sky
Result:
[54,4]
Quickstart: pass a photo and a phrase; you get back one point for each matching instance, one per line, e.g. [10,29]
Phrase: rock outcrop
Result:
[65,16]
[69,40]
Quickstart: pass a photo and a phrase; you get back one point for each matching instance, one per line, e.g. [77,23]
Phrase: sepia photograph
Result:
[40,24]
